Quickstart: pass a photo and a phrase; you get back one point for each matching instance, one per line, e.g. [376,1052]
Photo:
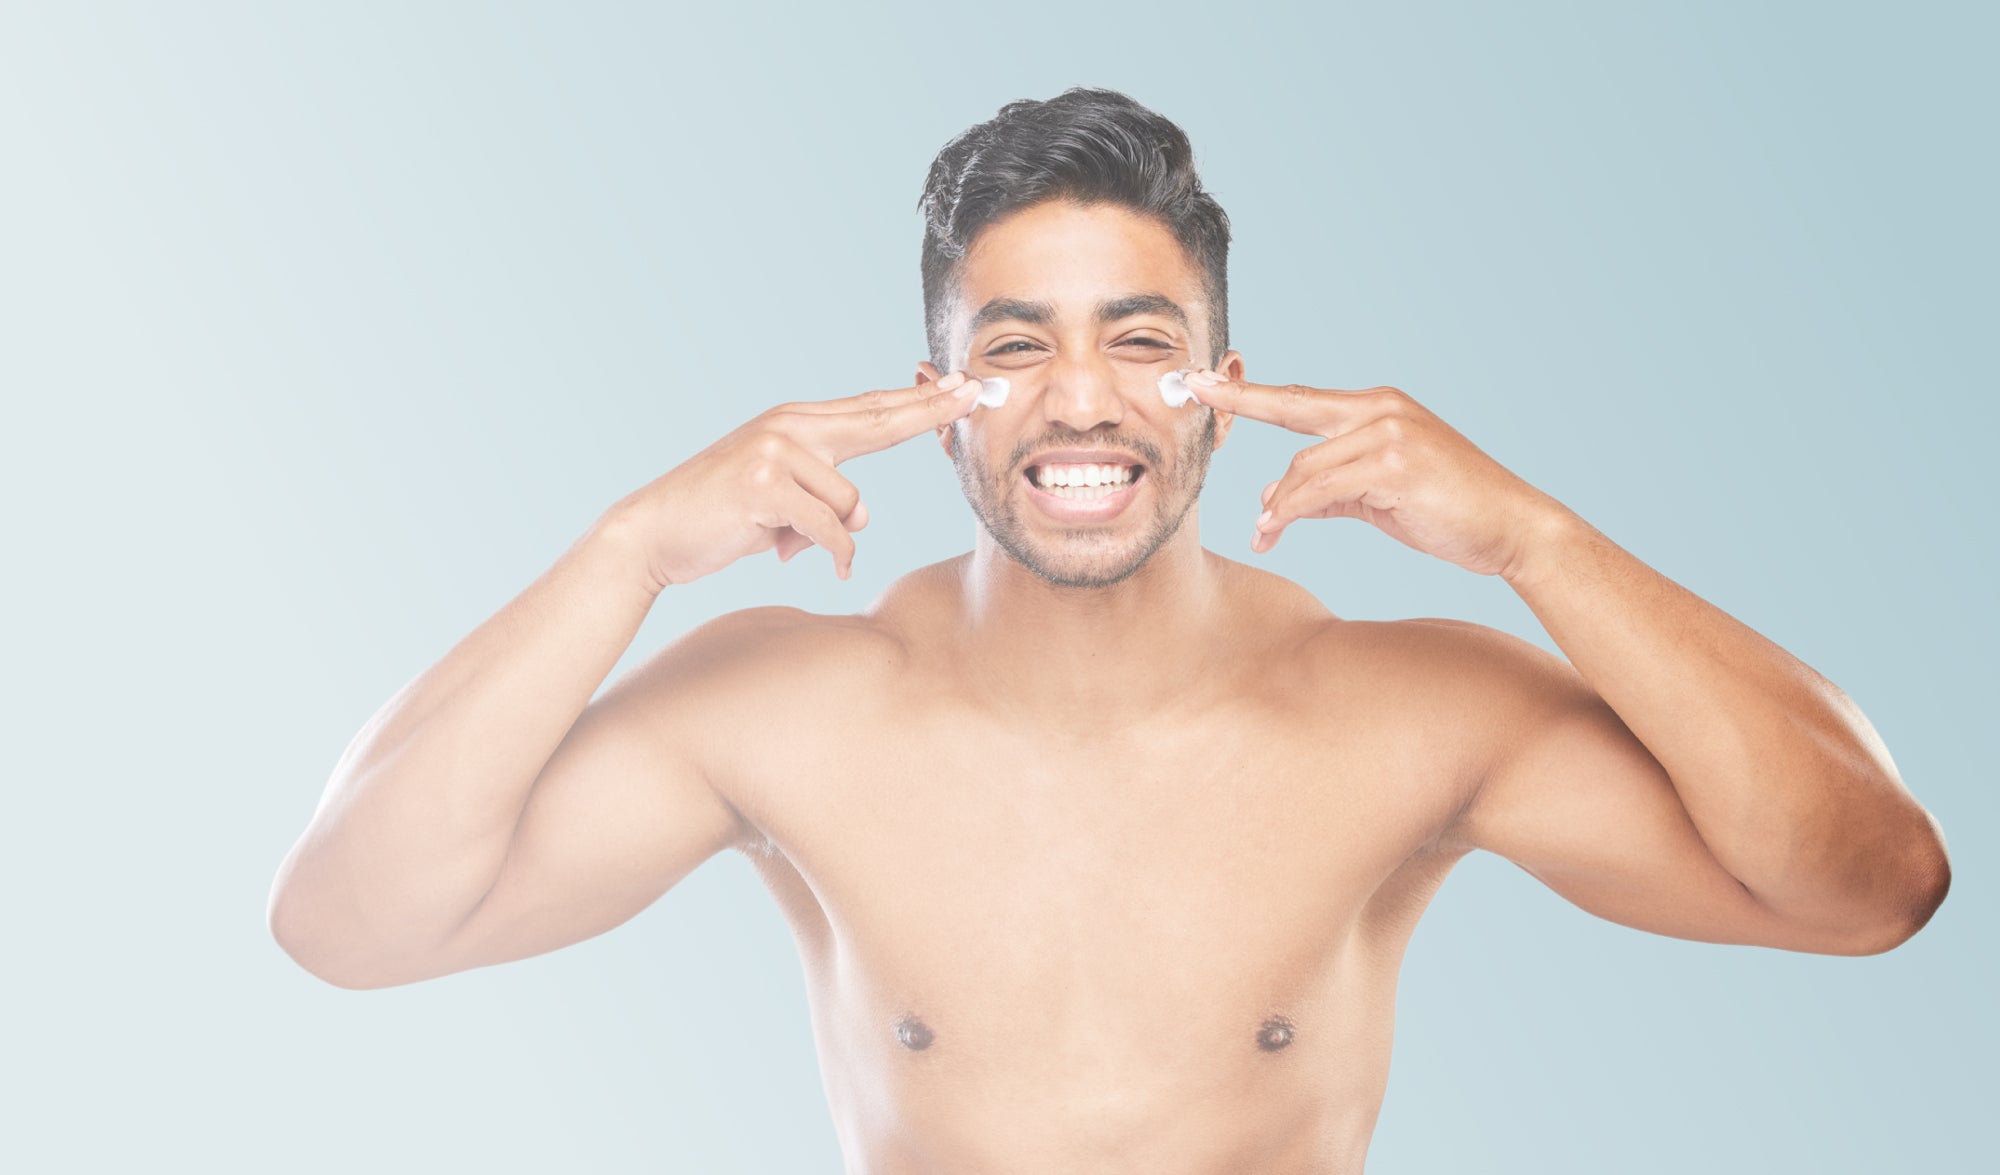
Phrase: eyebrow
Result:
[1044,313]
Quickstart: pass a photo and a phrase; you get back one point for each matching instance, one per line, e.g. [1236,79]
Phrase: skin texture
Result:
[1102,850]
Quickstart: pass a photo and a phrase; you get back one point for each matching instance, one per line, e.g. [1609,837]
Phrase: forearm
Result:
[417,818]
[1783,777]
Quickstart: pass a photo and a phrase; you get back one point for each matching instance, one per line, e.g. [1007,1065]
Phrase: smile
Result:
[1083,493]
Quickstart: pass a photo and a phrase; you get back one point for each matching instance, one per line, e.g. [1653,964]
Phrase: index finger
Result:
[839,430]
[1320,412]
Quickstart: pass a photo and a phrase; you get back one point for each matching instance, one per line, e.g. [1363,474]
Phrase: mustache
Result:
[1144,451]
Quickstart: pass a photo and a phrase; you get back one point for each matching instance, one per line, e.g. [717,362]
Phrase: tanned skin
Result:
[1101,849]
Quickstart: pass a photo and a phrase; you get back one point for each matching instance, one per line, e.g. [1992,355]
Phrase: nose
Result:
[1081,393]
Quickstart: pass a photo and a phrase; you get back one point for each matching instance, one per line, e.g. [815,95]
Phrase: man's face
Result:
[1076,308]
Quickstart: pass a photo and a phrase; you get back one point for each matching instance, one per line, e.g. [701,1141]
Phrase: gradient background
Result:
[324,330]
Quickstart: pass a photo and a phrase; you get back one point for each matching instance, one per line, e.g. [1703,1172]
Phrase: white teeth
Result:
[1083,493]
[1082,476]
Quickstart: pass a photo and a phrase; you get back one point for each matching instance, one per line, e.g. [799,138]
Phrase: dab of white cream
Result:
[993,392]
[1174,389]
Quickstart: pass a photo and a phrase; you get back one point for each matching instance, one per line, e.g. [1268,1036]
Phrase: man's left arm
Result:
[1681,773]
[1783,777]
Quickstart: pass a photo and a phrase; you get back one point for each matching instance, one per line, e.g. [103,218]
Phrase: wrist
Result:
[1549,539]
[614,546]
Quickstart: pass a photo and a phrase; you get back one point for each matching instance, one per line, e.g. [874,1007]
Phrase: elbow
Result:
[291,929]
[1932,883]
[1922,888]
[327,971]
[1929,881]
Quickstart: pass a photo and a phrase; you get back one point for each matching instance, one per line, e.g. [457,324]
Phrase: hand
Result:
[1391,462]
[772,482]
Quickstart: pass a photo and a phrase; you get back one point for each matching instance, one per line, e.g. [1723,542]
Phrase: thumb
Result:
[857,518]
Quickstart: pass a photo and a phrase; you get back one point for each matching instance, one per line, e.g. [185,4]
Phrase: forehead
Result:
[1073,257]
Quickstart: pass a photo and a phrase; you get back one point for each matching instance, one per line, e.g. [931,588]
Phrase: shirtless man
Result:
[1101,850]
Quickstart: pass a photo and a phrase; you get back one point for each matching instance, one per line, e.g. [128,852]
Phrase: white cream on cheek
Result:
[993,392]
[1174,389]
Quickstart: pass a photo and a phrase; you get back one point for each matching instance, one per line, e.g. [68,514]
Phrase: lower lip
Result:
[1082,509]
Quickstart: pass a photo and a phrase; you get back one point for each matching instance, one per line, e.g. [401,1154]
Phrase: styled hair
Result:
[1086,146]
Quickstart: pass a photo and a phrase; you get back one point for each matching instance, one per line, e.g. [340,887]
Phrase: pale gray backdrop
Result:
[323,330]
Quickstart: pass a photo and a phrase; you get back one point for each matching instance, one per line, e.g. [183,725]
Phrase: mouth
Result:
[1082,493]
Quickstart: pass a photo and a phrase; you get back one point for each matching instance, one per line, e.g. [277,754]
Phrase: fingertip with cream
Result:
[1174,388]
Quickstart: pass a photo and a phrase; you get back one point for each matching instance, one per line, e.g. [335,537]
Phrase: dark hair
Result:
[1083,145]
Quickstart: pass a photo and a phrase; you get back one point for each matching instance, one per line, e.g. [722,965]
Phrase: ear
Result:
[1231,367]
[926,373]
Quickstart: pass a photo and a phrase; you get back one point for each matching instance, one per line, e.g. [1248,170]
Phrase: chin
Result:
[1072,570]
[1080,557]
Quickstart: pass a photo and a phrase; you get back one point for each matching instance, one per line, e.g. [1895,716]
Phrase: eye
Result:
[1008,348]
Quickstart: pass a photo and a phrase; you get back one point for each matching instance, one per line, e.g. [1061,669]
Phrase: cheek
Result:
[1196,437]
[1174,391]
[973,448]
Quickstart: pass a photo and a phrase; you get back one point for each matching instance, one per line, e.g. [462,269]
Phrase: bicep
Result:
[622,811]
[1574,798]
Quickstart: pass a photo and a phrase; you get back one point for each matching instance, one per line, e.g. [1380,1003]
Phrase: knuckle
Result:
[1394,460]
[877,417]
[1393,428]
[1297,393]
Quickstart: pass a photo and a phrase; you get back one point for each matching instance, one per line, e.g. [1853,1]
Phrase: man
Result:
[1101,850]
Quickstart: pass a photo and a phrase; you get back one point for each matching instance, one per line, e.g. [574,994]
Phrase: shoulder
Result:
[775,643]
[1467,693]
[753,670]
[1511,671]
[1502,698]
[1476,669]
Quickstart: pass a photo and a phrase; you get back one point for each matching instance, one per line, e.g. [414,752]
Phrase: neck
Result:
[1093,655]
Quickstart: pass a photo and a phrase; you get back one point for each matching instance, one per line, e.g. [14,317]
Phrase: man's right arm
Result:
[422,810]
[484,814]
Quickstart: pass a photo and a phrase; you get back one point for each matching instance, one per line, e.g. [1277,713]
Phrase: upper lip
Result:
[1082,457]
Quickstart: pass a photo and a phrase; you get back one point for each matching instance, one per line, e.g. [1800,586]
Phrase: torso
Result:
[1170,947]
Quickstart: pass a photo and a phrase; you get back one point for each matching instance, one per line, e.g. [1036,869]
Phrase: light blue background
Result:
[324,330]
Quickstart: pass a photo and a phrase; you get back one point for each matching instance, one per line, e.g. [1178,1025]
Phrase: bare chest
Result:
[1009,878]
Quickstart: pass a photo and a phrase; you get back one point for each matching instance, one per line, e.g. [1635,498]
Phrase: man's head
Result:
[1069,248]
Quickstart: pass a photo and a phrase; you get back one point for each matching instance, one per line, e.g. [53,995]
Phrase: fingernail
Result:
[953,380]
[1205,378]
[1262,519]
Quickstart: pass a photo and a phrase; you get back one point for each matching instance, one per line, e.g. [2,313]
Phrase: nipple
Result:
[1275,1034]
[1174,389]
[914,1034]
